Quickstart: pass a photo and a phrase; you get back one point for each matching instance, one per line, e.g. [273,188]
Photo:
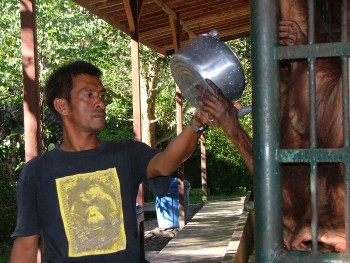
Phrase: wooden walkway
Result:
[209,237]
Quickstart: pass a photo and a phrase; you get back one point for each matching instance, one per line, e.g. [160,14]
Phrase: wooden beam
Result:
[110,9]
[135,69]
[94,2]
[31,101]
[169,11]
[119,7]
[225,35]
[176,29]
[129,15]
[133,14]
[224,16]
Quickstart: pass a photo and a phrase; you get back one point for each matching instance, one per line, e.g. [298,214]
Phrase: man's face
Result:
[86,109]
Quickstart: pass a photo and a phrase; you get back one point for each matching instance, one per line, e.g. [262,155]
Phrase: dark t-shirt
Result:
[83,203]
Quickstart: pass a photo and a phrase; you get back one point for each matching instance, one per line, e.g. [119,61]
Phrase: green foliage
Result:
[5,254]
[242,49]
[7,207]
[165,101]
[68,32]
[11,131]
[11,116]
[10,52]
[11,162]
[227,172]
[118,124]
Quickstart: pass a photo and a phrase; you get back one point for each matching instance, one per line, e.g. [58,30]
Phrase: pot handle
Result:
[214,33]
[244,111]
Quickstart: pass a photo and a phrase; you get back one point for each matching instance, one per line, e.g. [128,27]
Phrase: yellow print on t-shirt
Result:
[92,212]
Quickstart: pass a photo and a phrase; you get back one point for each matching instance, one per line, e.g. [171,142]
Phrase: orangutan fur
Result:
[295,134]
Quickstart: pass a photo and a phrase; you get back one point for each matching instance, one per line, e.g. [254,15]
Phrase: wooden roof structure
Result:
[155,19]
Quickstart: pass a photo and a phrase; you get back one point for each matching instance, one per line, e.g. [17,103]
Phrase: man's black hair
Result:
[59,84]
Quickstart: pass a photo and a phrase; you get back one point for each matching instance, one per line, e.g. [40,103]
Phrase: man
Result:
[80,197]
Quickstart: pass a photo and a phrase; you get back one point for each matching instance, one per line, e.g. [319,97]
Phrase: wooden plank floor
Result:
[206,237]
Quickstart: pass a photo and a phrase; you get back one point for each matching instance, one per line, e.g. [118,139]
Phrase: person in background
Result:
[80,197]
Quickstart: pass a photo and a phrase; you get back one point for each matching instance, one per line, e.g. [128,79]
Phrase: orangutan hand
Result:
[219,111]
[291,34]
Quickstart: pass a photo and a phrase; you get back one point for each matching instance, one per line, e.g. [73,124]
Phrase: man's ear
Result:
[61,106]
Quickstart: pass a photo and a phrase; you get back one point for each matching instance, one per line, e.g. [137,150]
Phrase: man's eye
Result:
[102,96]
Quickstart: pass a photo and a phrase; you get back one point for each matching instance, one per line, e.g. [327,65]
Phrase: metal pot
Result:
[207,57]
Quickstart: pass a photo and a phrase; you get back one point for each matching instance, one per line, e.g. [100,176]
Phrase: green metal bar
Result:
[313,145]
[313,125]
[267,180]
[314,51]
[344,21]
[315,155]
[313,257]
[347,206]
[310,22]
[314,215]
[345,82]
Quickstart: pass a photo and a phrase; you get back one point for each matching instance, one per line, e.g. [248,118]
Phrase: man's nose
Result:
[100,103]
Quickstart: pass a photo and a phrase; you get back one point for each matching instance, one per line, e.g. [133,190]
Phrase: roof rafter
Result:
[169,11]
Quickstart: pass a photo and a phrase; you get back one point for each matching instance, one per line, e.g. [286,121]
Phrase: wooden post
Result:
[31,95]
[31,101]
[133,9]
[176,33]
[204,169]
